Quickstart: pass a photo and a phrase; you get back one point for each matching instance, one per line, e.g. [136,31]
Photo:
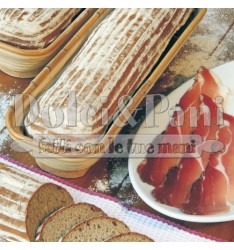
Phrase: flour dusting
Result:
[6,100]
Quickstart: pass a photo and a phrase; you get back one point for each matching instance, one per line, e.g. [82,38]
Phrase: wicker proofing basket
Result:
[25,63]
[72,167]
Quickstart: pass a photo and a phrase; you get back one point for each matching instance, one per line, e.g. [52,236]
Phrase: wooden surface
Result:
[210,45]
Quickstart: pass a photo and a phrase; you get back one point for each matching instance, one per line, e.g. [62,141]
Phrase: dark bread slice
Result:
[130,237]
[26,202]
[57,225]
[96,230]
[46,200]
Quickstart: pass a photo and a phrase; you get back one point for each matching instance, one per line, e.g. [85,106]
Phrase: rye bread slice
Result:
[96,230]
[26,202]
[130,237]
[56,226]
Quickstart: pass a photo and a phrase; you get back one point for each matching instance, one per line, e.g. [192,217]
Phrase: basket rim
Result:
[52,46]
[52,68]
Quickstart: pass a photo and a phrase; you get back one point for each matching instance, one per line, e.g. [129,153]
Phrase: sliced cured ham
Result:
[183,123]
[208,195]
[206,83]
[214,191]
[190,168]
[204,184]
[156,170]
[225,161]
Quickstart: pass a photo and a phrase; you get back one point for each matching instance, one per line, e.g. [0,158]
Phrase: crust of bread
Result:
[136,237]
[51,218]
[20,215]
[77,228]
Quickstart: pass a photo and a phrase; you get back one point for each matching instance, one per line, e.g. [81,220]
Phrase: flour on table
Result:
[6,100]
[118,172]
[102,186]
[210,46]
[116,182]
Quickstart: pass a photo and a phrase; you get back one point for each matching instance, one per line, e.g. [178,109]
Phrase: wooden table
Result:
[211,44]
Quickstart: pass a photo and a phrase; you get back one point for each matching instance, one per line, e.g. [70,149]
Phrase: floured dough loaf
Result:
[33,28]
[113,62]
[25,203]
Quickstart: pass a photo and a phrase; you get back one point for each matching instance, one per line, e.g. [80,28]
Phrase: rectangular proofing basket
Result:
[78,165]
[25,63]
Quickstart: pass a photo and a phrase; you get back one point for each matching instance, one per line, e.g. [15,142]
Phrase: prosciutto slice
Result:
[214,191]
[202,184]
[155,171]
[190,168]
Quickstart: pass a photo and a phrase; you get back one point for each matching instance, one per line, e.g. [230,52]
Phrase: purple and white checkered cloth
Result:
[139,221]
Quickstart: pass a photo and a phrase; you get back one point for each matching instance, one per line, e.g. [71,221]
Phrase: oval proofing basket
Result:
[78,164]
[25,63]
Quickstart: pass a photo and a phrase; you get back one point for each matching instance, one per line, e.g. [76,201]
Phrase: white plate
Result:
[226,74]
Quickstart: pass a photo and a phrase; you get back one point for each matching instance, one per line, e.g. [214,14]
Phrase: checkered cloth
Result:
[139,221]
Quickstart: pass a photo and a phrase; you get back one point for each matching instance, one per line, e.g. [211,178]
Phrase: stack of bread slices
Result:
[84,222]
[34,210]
